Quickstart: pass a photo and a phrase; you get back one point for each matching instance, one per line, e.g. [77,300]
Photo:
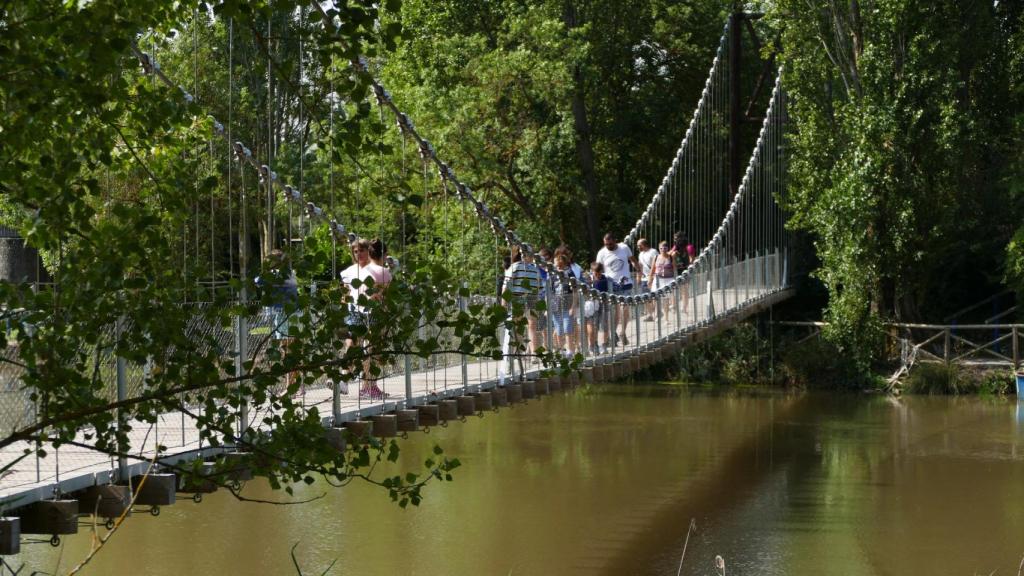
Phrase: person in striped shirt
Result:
[522,287]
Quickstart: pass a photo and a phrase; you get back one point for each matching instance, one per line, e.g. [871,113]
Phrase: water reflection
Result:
[606,480]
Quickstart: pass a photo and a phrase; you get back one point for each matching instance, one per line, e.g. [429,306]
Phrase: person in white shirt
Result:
[617,259]
[648,256]
[363,269]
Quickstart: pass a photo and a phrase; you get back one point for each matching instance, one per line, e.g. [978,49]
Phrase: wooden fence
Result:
[981,345]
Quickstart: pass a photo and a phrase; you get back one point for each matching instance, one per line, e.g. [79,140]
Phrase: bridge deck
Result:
[71,468]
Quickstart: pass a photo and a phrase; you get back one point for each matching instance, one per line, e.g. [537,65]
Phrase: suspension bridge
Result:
[741,267]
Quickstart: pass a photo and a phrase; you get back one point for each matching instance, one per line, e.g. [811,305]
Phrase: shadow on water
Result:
[784,441]
[849,484]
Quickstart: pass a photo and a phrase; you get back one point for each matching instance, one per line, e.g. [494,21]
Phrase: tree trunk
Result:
[584,146]
[266,243]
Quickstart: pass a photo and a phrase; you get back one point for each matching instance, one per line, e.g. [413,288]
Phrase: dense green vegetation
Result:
[905,165]
[906,157]
[120,182]
[905,170]
[136,203]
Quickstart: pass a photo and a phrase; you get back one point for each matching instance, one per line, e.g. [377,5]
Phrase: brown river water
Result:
[606,481]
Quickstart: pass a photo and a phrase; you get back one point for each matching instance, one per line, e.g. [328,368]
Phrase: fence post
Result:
[693,296]
[784,281]
[676,289]
[122,394]
[465,365]
[657,310]
[945,345]
[408,380]
[722,281]
[549,333]
[746,277]
[638,309]
[242,348]
[778,270]
[510,344]
[711,300]
[757,274]
[1016,354]
[581,321]
[613,329]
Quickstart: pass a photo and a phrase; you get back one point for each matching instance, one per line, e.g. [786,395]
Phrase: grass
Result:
[951,379]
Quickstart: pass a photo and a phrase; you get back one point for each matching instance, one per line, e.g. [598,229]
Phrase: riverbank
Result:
[757,354]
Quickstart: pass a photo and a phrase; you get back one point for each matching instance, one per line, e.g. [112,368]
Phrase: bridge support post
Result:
[657,310]
[242,350]
[762,265]
[710,288]
[676,290]
[465,365]
[1016,355]
[122,394]
[581,322]
[549,337]
[746,276]
[721,279]
[785,267]
[612,328]
[407,365]
[638,309]
[778,269]
[757,273]
[693,297]
[336,403]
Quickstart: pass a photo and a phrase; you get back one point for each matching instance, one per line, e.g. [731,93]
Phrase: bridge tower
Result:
[743,122]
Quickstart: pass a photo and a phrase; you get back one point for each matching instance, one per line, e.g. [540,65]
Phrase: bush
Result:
[996,382]
[953,379]
[935,379]
[734,357]
[817,363]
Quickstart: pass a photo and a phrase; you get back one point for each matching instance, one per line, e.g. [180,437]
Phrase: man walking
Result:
[617,259]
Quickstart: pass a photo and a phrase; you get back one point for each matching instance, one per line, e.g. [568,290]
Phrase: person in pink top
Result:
[683,252]
[363,269]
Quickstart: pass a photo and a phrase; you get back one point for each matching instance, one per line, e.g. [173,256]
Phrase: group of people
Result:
[615,269]
[369,275]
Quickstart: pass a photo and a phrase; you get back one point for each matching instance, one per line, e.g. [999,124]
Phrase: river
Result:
[606,480]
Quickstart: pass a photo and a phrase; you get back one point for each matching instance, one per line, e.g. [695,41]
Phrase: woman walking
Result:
[663,271]
[563,308]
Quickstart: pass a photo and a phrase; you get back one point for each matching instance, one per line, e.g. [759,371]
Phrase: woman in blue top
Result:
[563,309]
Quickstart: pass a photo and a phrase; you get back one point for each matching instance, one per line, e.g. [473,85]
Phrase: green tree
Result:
[110,172]
[556,110]
[900,113]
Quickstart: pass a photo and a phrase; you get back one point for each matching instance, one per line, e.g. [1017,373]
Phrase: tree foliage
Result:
[509,89]
[114,175]
[901,134]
